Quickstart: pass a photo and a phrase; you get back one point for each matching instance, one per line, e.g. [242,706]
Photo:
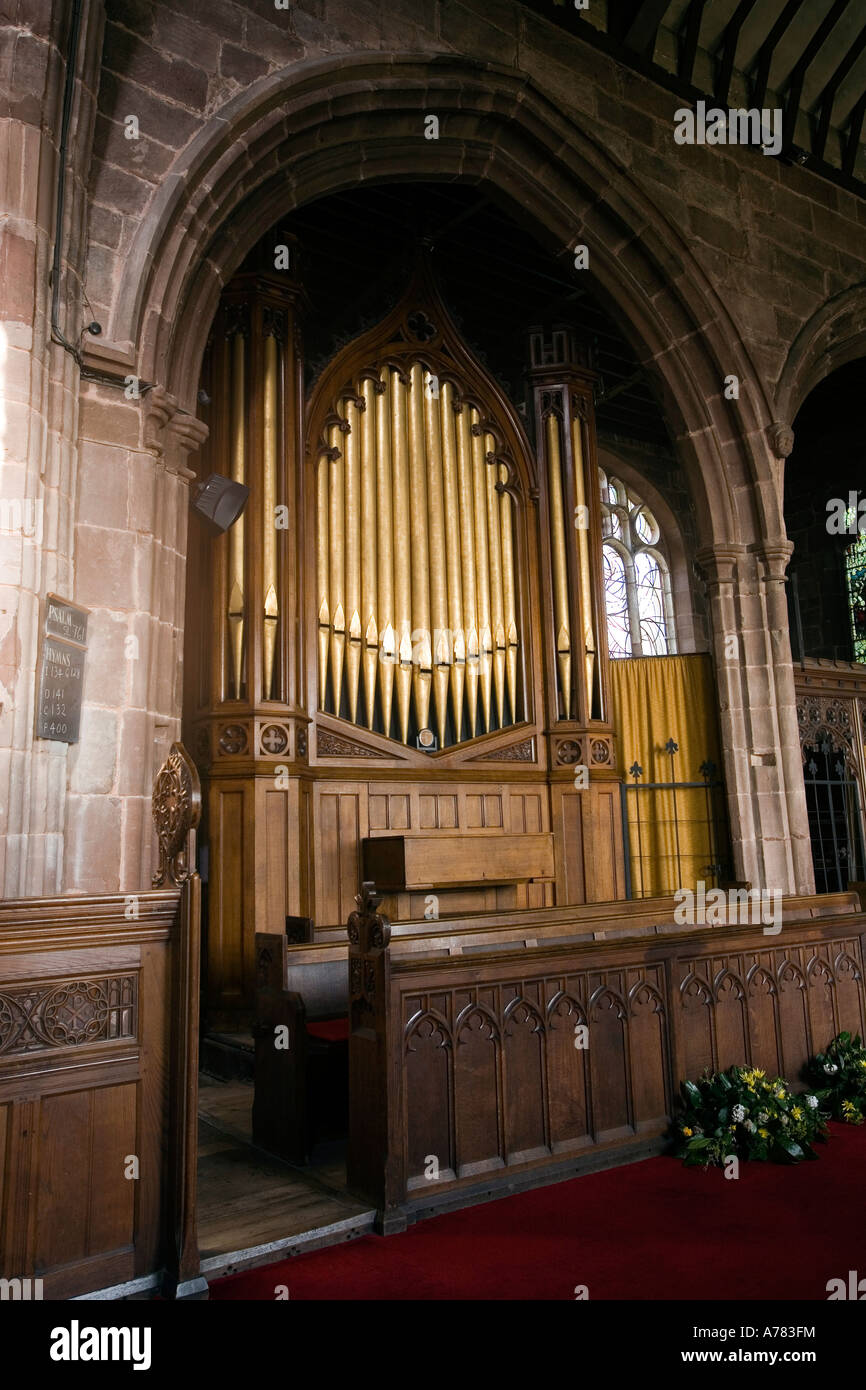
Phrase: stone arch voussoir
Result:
[317,129]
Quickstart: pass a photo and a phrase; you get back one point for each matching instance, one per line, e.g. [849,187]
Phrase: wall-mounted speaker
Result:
[219,502]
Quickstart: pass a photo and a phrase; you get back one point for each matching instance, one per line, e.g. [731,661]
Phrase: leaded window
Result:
[637,586]
[855,574]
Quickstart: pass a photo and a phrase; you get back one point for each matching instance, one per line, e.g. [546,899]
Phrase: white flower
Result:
[812,1102]
[749,1125]
[784,1119]
[763,1117]
[738,1113]
[830,1067]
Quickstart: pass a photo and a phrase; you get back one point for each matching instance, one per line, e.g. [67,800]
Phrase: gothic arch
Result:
[337,125]
[833,336]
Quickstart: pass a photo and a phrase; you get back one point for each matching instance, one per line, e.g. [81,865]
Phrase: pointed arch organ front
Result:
[402,639]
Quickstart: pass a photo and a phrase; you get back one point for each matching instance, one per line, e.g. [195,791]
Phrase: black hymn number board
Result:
[61,670]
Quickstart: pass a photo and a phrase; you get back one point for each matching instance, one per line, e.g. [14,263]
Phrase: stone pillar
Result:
[773,561]
[131,536]
[766,801]
[39,387]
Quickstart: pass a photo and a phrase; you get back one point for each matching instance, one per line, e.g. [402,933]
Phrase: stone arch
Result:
[318,128]
[337,124]
[832,337]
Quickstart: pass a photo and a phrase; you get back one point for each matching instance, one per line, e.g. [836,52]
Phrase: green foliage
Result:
[839,1078]
[742,1112]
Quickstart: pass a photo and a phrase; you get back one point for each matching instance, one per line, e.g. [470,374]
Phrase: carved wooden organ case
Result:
[402,637]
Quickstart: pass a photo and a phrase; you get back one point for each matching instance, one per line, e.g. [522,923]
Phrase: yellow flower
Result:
[780,1094]
[797,1113]
[759,1072]
[848,1107]
[688,1132]
[764,1133]
[862,1062]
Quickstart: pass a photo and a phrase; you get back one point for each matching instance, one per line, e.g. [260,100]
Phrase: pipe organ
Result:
[416,586]
[401,638]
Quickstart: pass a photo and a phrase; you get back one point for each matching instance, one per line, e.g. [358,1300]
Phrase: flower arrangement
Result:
[839,1078]
[743,1112]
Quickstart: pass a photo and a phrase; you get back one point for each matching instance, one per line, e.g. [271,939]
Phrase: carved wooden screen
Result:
[418,607]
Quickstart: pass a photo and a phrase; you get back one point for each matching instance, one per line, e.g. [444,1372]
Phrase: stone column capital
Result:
[171,432]
[719,563]
[773,558]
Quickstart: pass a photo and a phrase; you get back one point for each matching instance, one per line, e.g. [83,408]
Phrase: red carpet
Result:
[650,1230]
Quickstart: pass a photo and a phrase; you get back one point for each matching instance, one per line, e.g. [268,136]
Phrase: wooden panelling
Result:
[232,896]
[479,1052]
[341,823]
[90,1011]
[86,1203]
[273,862]
[605,880]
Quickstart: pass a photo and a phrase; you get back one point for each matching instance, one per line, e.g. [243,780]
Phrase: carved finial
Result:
[176,814]
[368,929]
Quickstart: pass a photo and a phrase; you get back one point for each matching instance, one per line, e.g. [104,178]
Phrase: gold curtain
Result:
[654,699]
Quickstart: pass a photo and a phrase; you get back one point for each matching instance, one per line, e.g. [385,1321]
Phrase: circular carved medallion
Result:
[233,739]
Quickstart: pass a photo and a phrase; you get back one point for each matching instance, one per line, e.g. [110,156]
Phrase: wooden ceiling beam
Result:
[689,37]
[641,34]
[853,137]
[794,86]
[728,50]
[828,95]
[767,51]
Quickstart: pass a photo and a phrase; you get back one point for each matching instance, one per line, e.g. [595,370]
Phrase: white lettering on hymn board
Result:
[63,649]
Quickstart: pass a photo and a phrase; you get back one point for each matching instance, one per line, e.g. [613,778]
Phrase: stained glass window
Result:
[855,570]
[637,586]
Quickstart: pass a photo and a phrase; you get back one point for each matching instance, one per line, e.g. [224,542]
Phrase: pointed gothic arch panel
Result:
[420,535]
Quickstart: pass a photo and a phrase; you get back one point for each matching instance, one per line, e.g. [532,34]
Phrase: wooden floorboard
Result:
[252,1207]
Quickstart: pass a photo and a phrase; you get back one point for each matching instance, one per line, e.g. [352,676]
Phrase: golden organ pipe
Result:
[494,535]
[441,644]
[369,549]
[482,571]
[465,484]
[452,546]
[385,577]
[353,557]
[322,503]
[509,594]
[236,534]
[415,561]
[560,570]
[584,567]
[403,561]
[337,565]
[421,636]
[269,533]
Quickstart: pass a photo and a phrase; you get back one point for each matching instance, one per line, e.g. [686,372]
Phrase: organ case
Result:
[402,635]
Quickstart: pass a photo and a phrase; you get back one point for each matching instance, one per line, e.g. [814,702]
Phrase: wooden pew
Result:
[466,1080]
[302,989]
[301,1024]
